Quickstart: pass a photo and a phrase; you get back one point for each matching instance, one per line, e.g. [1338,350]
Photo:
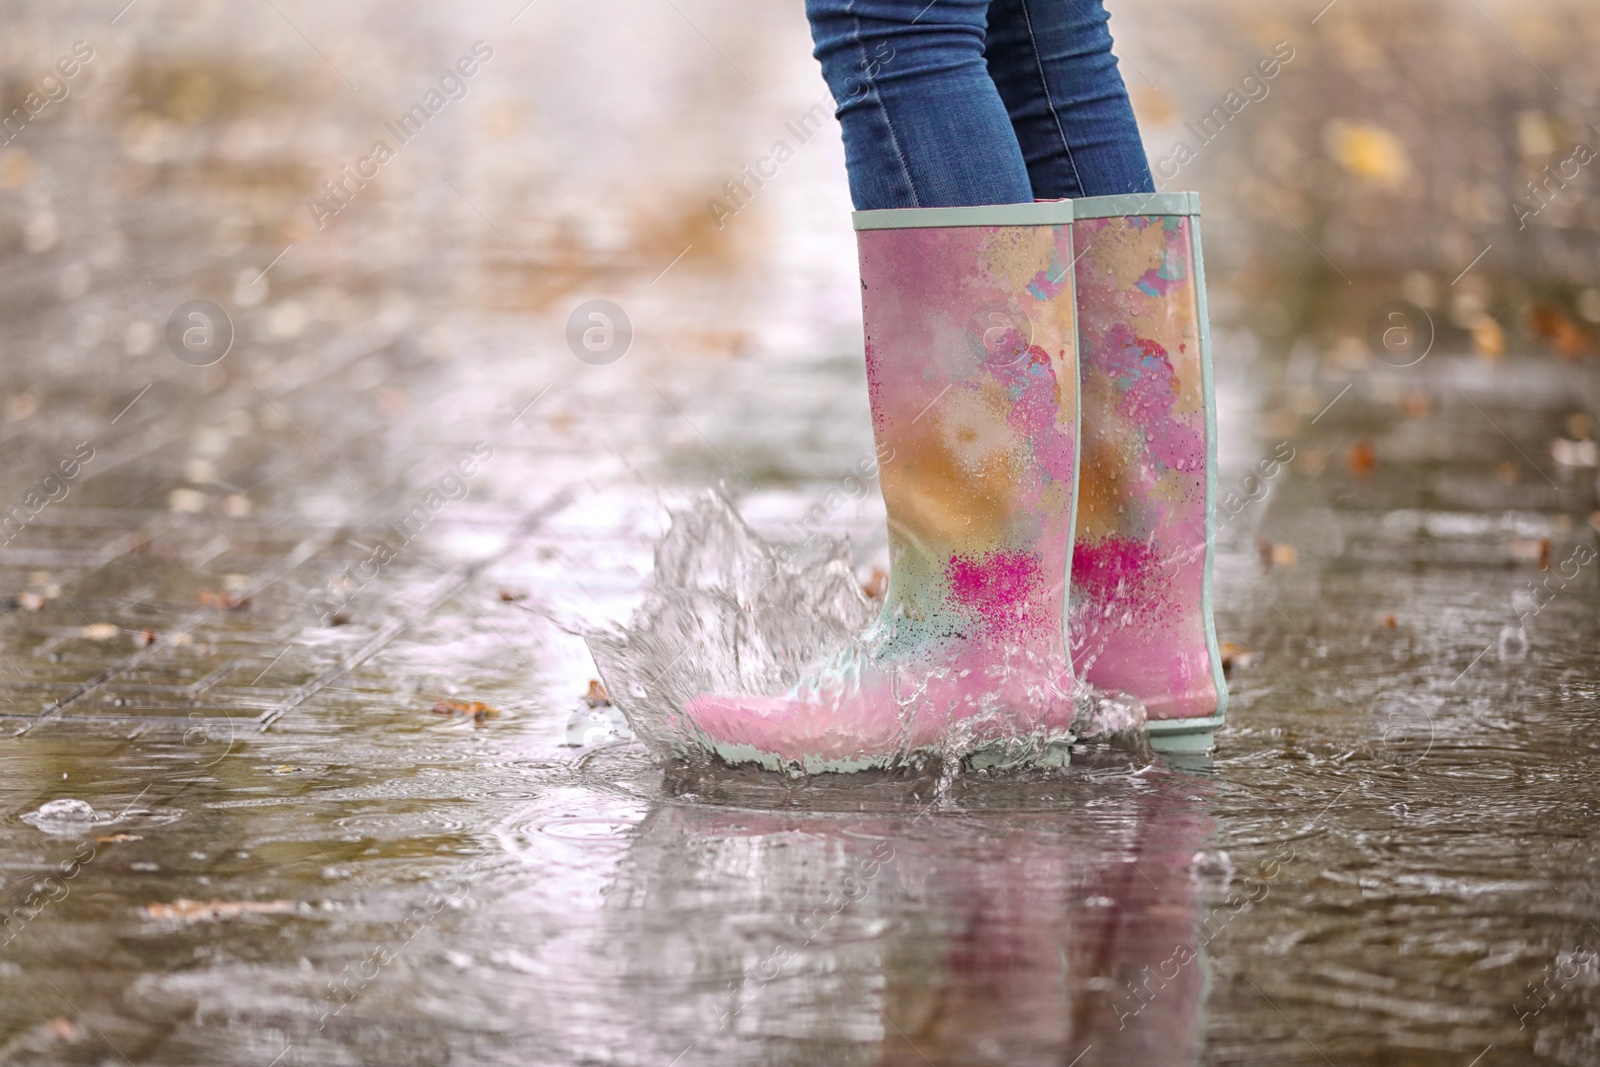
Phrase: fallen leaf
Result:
[512,596]
[1270,554]
[1570,338]
[30,601]
[1235,656]
[1368,151]
[146,638]
[597,697]
[1390,621]
[100,631]
[62,1029]
[228,601]
[1488,337]
[1361,458]
[339,618]
[118,839]
[876,585]
[1531,550]
[465,709]
[191,911]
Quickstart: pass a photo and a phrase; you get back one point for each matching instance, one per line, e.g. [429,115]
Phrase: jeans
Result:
[966,102]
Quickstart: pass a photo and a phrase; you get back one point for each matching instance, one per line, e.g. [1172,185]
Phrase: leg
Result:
[923,123]
[1051,61]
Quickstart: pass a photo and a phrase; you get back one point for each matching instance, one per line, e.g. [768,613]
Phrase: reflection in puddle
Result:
[575,829]
[1052,918]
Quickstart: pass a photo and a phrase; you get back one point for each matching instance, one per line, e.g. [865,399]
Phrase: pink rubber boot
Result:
[973,379]
[1141,573]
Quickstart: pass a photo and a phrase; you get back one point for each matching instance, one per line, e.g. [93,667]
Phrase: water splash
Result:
[66,817]
[1104,715]
[727,611]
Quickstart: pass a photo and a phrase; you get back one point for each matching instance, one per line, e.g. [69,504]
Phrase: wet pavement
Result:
[333,817]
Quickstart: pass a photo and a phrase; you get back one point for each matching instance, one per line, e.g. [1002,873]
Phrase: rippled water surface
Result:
[264,801]
[1389,845]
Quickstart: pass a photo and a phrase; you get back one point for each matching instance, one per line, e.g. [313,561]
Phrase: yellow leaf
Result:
[1368,151]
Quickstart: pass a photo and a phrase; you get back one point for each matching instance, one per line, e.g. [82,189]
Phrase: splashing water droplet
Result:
[1104,715]
[728,612]
[65,816]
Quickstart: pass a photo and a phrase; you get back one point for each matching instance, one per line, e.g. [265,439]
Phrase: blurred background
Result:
[1431,152]
[1436,154]
[1384,155]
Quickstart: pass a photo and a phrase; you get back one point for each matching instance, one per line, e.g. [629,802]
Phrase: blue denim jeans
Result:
[963,102]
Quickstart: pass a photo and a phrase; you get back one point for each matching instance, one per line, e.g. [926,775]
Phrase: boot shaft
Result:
[971,349]
[1141,577]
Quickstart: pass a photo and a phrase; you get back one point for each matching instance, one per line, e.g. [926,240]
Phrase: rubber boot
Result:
[972,373]
[1141,577]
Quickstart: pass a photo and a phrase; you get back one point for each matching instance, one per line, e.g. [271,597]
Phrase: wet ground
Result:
[333,815]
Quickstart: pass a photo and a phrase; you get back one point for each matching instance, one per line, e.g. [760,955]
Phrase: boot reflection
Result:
[1047,922]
